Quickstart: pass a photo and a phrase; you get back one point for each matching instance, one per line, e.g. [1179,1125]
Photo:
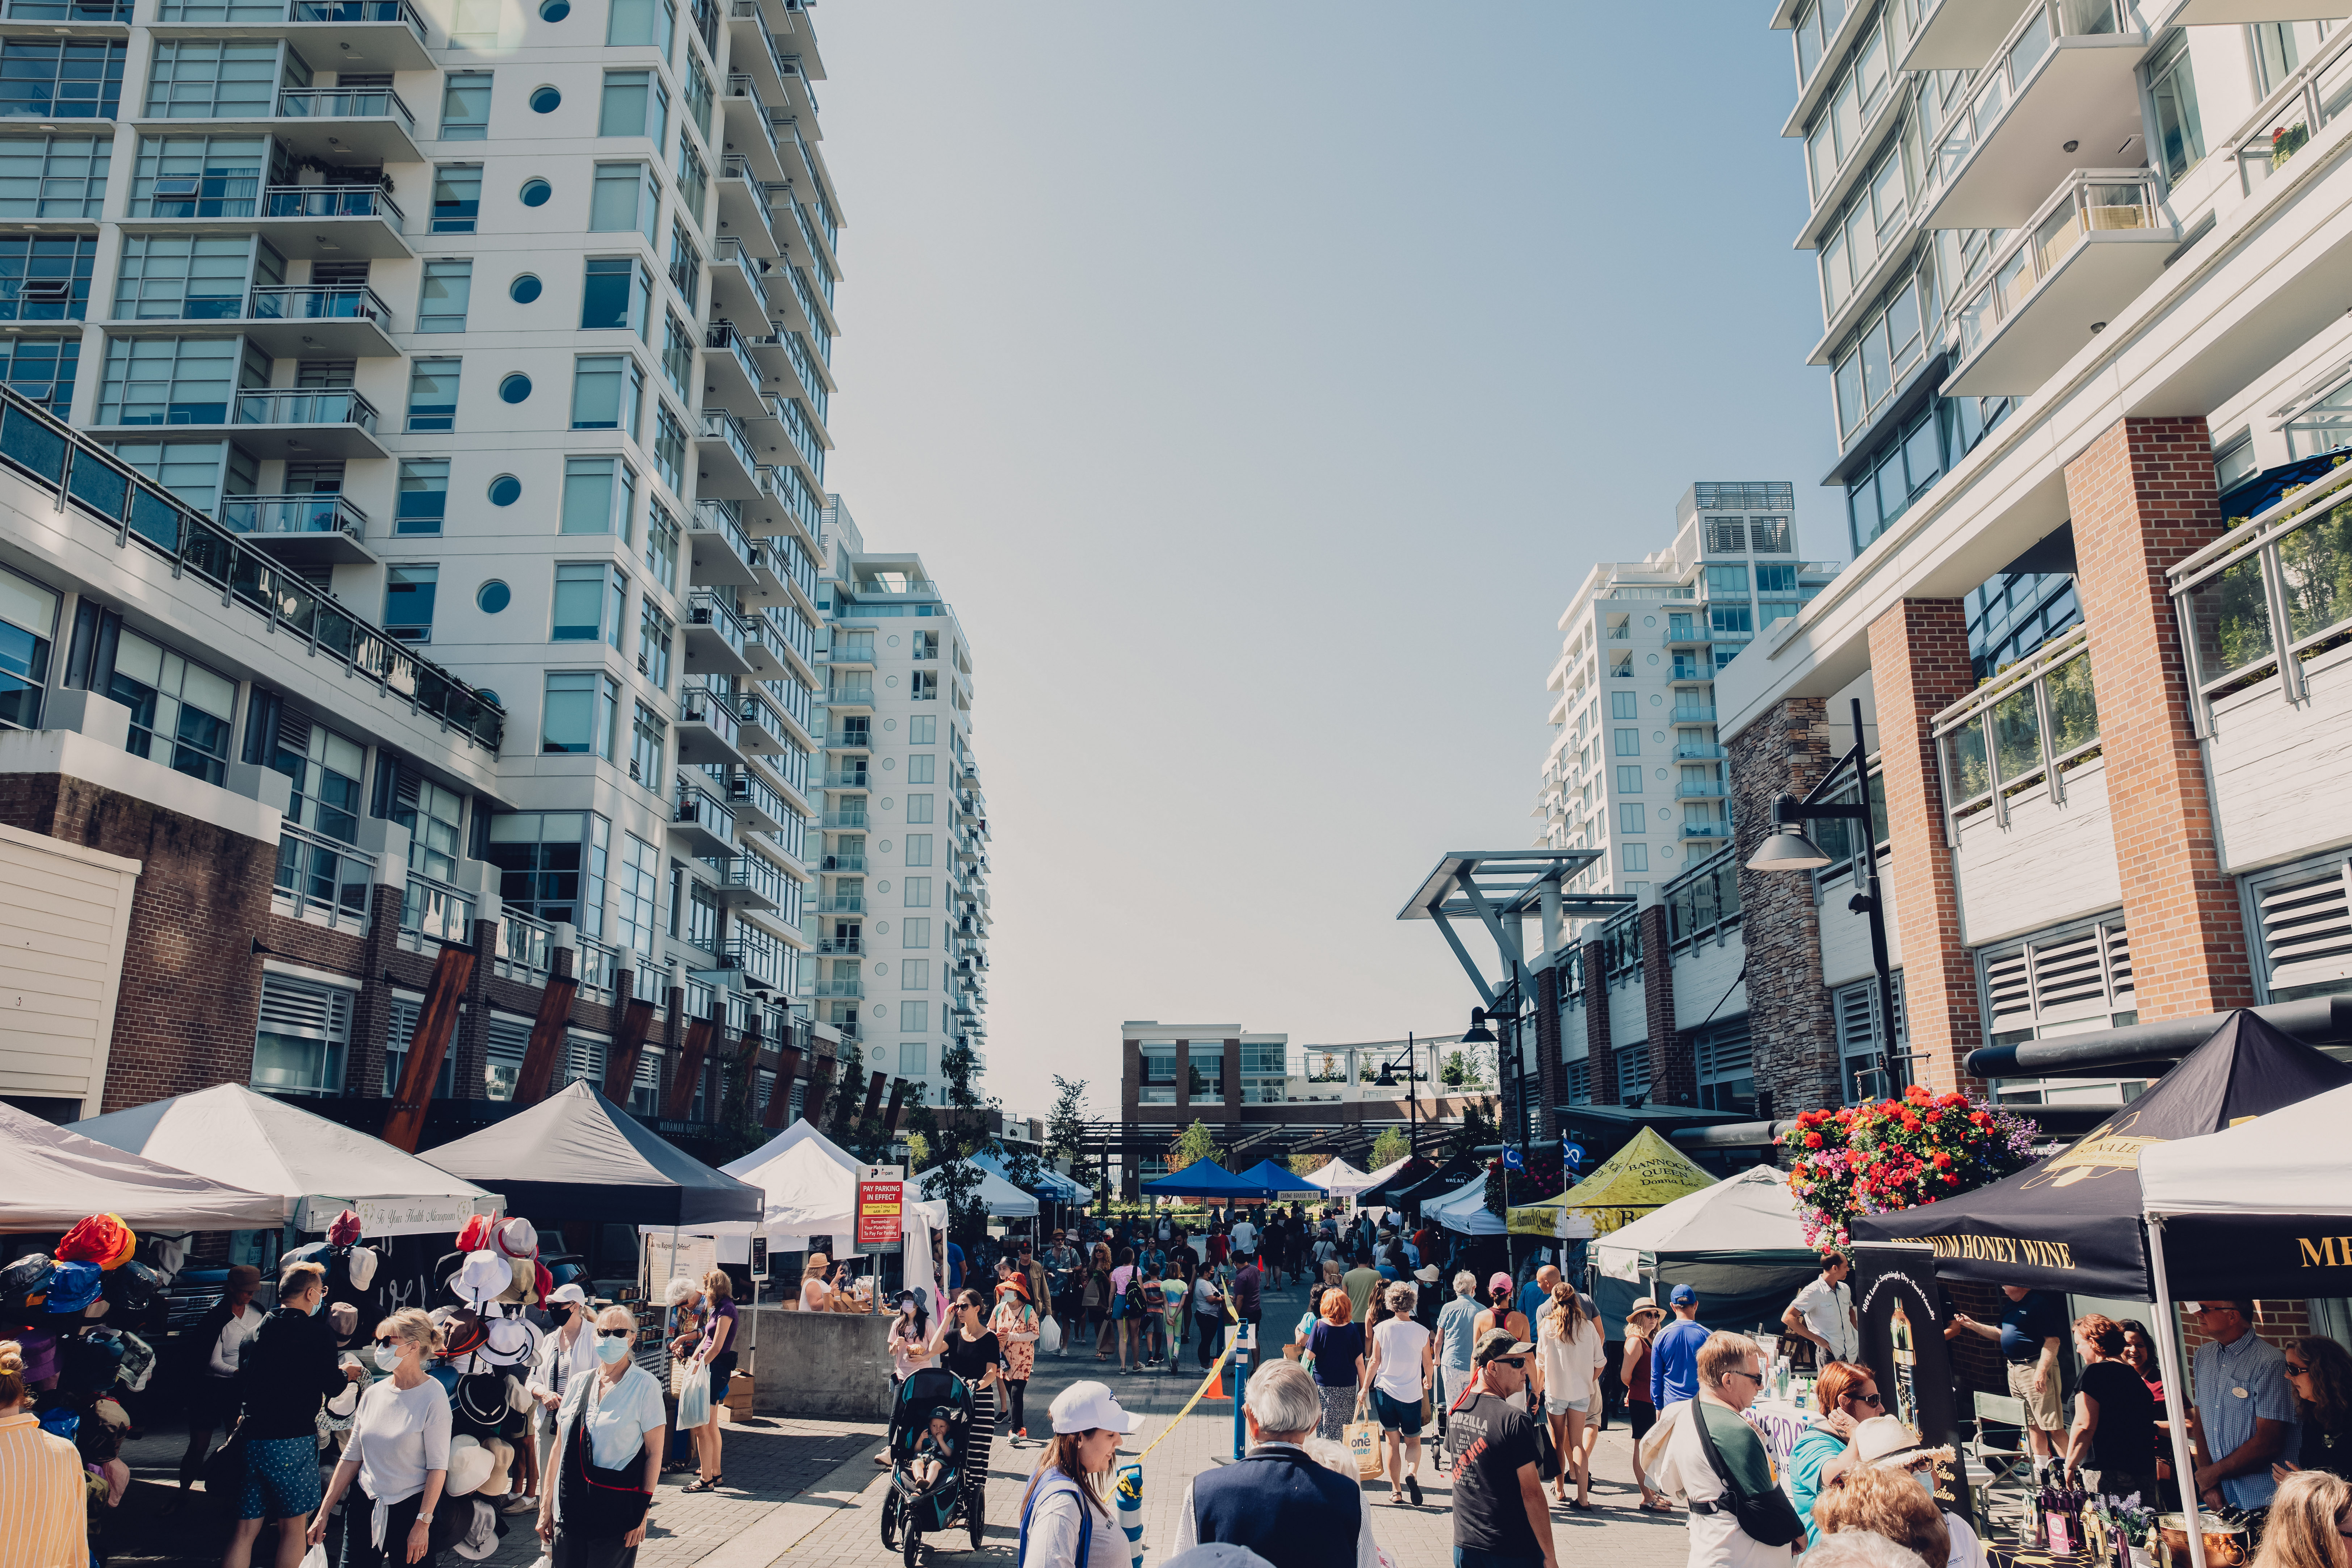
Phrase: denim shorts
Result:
[281,1478]
[1397,1415]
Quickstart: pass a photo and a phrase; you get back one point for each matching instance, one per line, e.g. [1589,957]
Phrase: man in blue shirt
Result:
[2245,1412]
[955,1268]
[1535,1296]
[1674,1353]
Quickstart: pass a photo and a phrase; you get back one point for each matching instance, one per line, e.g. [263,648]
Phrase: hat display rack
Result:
[89,1314]
[491,1282]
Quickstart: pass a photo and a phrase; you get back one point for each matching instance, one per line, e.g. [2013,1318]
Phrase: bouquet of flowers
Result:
[1543,1178]
[1888,1154]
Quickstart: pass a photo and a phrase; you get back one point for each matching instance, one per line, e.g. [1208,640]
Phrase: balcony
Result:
[751,881]
[756,806]
[849,695]
[841,946]
[1693,713]
[77,13]
[850,860]
[730,378]
[764,646]
[749,132]
[762,728]
[707,729]
[2060,91]
[1709,790]
[849,819]
[723,452]
[301,531]
[699,824]
[722,551]
[1954,35]
[846,778]
[840,988]
[738,282]
[315,223]
[346,322]
[1683,632]
[1700,751]
[745,213]
[2093,248]
[714,637]
[1693,672]
[849,739]
[322,423]
[339,127]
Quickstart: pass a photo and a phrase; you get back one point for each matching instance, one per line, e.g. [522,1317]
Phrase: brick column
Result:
[1131,1079]
[1786,751]
[2143,498]
[1674,1071]
[1601,1056]
[1183,1079]
[1919,666]
[1233,1085]
[1548,1075]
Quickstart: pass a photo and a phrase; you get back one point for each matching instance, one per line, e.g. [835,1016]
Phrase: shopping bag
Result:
[1363,1440]
[1049,1337]
[694,1400]
[316,1557]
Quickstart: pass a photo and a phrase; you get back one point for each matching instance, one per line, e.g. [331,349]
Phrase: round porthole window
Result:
[881,887]
[554,10]
[884,846]
[543,100]
[1654,658]
[881,969]
[894,640]
[514,388]
[536,192]
[493,596]
[889,723]
[880,1008]
[889,763]
[885,803]
[1657,701]
[524,289]
[504,491]
[889,680]
[882,928]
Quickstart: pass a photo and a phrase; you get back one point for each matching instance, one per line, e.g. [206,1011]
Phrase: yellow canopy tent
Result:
[1647,1173]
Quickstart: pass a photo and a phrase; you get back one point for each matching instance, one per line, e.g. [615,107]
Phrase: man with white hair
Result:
[1456,1333]
[1277,1500]
[1704,1450]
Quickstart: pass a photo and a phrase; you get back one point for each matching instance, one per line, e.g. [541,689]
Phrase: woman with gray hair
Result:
[1278,1494]
[1456,1335]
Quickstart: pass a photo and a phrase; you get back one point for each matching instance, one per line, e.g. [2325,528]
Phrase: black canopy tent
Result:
[576,1155]
[1414,1191]
[2072,1222]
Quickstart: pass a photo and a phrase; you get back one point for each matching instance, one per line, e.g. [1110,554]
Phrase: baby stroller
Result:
[956,1498]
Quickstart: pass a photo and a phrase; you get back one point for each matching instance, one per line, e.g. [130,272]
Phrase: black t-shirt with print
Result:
[2126,1433]
[1486,1443]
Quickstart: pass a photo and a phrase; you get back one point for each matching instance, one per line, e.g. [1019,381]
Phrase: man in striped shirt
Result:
[40,1481]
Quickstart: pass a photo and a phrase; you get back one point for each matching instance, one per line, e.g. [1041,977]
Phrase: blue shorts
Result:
[1397,1415]
[281,1478]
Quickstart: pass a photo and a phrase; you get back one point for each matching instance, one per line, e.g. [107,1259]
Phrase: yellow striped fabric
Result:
[40,1499]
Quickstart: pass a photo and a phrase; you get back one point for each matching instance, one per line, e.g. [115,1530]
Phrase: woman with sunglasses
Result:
[967,1348]
[1846,1395]
[2320,1372]
[399,1452]
[592,1513]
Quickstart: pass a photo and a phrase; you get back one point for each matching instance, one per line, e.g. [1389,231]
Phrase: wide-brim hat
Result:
[481,1536]
[1426,1273]
[360,1264]
[482,1275]
[74,1286]
[518,1237]
[481,1401]
[1885,1441]
[502,1457]
[462,1331]
[469,1466]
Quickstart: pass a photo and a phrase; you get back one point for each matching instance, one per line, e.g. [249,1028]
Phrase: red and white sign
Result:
[881,1202]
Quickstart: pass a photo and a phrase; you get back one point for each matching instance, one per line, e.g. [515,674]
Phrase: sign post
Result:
[881,1203]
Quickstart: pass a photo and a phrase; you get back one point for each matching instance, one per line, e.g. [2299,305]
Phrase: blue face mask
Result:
[610,1351]
[318,1301]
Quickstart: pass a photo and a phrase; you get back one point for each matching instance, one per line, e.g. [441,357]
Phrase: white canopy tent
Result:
[1464,1210]
[2274,1165]
[1002,1199]
[1341,1179]
[231,1135]
[51,1178]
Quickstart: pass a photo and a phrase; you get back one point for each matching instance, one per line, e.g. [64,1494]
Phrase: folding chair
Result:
[1995,1452]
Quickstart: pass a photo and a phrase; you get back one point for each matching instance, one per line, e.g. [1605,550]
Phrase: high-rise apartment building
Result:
[435,538]
[1635,769]
[899,931]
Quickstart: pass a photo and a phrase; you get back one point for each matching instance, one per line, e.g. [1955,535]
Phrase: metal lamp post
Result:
[1387,1080]
[1787,848]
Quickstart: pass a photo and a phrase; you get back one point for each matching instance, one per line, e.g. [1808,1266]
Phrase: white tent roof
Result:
[1755,1210]
[1464,1209]
[1341,1179]
[1004,1200]
[2263,1166]
[811,1182]
[51,1178]
[233,1134]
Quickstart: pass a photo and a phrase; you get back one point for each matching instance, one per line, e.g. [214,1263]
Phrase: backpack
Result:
[1086,1518]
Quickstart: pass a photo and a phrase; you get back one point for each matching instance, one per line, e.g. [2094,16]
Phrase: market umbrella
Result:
[1464,1209]
[999,1198]
[1339,1179]
[1282,1185]
[52,1178]
[1050,1184]
[2258,1209]
[1202,1179]
[577,1155]
[2073,1221]
[1647,1173]
[233,1133]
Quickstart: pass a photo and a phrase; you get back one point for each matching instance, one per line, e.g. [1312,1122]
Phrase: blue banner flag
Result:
[1511,1160]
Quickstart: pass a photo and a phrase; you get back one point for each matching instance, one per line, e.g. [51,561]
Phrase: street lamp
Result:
[1788,848]
[1387,1080]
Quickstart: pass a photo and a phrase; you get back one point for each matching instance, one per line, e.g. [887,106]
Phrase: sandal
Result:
[709,1485]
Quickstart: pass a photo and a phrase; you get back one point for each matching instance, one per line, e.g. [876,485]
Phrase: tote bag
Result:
[1363,1440]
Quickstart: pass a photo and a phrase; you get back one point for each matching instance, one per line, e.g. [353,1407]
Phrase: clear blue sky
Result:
[1259,382]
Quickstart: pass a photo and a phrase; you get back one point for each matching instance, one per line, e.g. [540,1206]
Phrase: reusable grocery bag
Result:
[694,1400]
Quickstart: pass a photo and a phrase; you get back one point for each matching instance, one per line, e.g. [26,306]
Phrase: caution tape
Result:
[1216,1369]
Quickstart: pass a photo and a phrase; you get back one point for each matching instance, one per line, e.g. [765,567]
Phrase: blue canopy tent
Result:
[1283,1185]
[1207,1180]
[1050,1184]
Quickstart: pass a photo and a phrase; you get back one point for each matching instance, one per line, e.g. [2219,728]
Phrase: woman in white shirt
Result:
[399,1452]
[1403,1362]
[563,1356]
[1065,1520]
[1570,1346]
[600,1521]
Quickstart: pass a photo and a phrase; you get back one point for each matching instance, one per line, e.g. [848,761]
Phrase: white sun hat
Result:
[1089,1407]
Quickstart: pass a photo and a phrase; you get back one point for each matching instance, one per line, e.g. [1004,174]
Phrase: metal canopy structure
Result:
[1490,886]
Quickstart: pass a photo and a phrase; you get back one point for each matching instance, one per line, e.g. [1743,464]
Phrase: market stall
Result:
[1646,1174]
[51,1177]
[808,1185]
[1338,1180]
[1207,1181]
[1282,1185]
[1051,1186]
[577,1155]
[1463,1210]
[999,1198]
[233,1134]
[1739,1243]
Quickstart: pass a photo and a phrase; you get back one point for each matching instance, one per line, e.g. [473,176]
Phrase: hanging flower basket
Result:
[1888,1154]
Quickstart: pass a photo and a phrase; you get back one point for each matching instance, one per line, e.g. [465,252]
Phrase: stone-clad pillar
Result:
[1673,1075]
[1786,751]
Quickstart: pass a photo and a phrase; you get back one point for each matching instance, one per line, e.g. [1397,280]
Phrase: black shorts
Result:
[722,1367]
[1644,1415]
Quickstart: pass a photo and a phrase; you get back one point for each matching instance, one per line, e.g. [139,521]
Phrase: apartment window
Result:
[1726,580]
[466,106]
[654,634]
[325,769]
[424,498]
[926,686]
[661,541]
[698,914]
[579,603]
[919,808]
[1637,857]
[433,395]
[669,449]
[616,607]
[923,731]
[303,1036]
[2058,982]
[54,176]
[1624,705]
[624,198]
[1731,620]
[456,197]
[684,265]
[693,181]
[920,768]
[1628,742]
[408,592]
[648,744]
[2172,90]
[915,935]
[579,715]
[449,286]
[644,21]
[635,104]
[403,1029]
[28,620]
[216,78]
[183,276]
[677,357]
[180,713]
[1632,816]
[698,94]
[637,891]
[918,892]
[1629,778]
[1157,1085]
[168,381]
[195,472]
[46,278]
[596,491]
[613,294]
[432,816]
[544,863]
[605,392]
[919,848]
[61,78]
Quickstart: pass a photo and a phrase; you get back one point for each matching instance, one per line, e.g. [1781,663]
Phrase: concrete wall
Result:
[820,1364]
[2052,863]
[1703,974]
[2278,767]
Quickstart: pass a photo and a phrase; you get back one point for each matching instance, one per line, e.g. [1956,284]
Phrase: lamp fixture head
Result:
[1478,1033]
[1788,848]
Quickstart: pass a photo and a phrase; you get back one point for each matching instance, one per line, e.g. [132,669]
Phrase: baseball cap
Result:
[571,1293]
[1089,1406]
[1684,1296]
[1497,1342]
[1500,1282]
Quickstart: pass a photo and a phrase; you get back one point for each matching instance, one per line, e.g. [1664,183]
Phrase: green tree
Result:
[1390,1146]
[1462,1070]
[1065,1129]
[1307,1165]
[950,1144]
[918,1150]
[1193,1145]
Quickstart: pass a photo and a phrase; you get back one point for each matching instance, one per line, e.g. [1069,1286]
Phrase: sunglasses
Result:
[385,1339]
[1515,1362]
[1751,1376]
[1870,1399]
[611,1333]
[2293,1370]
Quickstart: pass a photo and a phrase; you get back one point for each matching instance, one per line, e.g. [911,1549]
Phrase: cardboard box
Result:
[738,1402]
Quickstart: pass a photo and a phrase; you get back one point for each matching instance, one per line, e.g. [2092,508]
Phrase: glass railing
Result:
[83,13]
[292,514]
[2013,66]
[526,947]
[2028,726]
[2306,104]
[345,103]
[46,450]
[708,610]
[740,86]
[399,11]
[2270,594]
[730,253]
[696,806]
[754,874]
[713,712]
[433,910]
[842,904]
[2092,201]
[323,878]
[718,518]
[745,787]
[598,968]
[851,693]
[333,405]
[724,337]
[845,860]
[1692,714]
[796,426]
[354,303]
[847,818]
[753,708]
[720,427]
[323,201]
[851,778]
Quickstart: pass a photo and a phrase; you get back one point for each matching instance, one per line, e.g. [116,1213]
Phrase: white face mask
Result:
[387,1357]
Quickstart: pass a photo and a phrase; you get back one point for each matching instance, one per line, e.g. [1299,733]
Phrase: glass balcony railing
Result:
[321,201]
[719,517]
[433,910]
[526,947]
[354,303]
[728,429]
[323,878]
[2270,594]
[707,610]
[753,874]
[345,103]
[741,89]
[2022,55]
[722,337]
[711,709]
[2093,201]
[746,788]
[336,405]
[2023,729]
[80,13]
[399,11]
[293,515]
[2314,98]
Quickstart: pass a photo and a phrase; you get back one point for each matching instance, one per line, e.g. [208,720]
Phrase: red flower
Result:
[1812,1139]
[1943,1160]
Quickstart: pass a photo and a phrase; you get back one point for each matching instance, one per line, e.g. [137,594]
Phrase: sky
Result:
[1259,382]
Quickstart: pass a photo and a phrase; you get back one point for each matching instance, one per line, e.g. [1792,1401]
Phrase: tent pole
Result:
[2176,1369]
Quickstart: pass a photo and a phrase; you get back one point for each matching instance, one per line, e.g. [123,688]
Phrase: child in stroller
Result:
[938,1463]
[934,1450]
